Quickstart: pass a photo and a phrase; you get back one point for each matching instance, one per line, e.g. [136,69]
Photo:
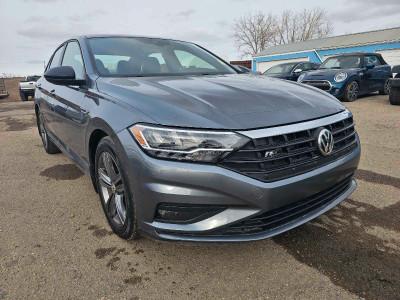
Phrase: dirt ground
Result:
[12,87]
[55,242]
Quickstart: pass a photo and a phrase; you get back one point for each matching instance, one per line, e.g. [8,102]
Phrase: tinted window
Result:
[73,58]
[282,68]
[305,66]
[55,62]
[151,57]
[371,60]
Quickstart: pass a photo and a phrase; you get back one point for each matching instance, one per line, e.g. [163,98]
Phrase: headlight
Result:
[185,144]
[340,76]
[301,77]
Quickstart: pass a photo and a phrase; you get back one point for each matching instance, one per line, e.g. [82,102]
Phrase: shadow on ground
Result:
[349,245]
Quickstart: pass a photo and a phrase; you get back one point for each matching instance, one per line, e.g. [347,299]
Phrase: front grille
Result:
[282,156]
[321,84]
[281,216]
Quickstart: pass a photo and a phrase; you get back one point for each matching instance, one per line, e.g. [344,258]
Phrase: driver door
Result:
[372,76]
[70,116]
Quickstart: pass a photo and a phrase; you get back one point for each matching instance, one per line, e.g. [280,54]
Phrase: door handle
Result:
[379,70]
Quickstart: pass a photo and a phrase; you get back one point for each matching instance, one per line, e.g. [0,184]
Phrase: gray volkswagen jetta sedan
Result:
[179,146]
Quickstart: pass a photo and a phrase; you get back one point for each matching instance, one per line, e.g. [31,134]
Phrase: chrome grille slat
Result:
[296,152]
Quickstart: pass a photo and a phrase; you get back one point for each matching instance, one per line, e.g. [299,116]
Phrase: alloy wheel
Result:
[112,189]
[353,91]
[387,86]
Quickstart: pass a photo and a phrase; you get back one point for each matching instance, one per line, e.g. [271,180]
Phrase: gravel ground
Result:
[55,242]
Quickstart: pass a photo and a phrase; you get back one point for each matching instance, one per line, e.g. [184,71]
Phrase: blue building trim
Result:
[312,56]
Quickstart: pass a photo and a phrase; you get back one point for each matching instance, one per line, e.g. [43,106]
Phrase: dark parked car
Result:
[290,71]
[351,75]
[179,146]
[245,70]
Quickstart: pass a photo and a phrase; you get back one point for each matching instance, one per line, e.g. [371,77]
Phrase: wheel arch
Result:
[97,130]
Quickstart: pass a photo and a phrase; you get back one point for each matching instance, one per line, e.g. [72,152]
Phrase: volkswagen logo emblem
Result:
[325,141]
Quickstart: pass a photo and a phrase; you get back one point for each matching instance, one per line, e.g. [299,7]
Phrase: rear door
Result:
[47,103]
[71,119]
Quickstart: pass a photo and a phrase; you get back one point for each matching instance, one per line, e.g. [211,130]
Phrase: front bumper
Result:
[29,92]
[161,181]
[336,89]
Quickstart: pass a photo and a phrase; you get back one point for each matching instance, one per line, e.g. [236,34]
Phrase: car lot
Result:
[55,242]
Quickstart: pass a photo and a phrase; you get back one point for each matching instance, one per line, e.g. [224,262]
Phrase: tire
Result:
[48,144]
[115,190]
[23,96]
[386,87]
[394,96]
[351,92]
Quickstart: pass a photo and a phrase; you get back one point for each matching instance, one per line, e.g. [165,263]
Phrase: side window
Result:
[371,59]
[73,58]
[55,62]
[302,66]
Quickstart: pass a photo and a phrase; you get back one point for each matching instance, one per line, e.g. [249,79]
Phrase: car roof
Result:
[89,36]
[356,53]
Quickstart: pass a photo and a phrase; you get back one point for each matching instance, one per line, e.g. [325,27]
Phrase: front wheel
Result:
[115,191]
[23,96]
[351,92]
[48,144]
[386,87]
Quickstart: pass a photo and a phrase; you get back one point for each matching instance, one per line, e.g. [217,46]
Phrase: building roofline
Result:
[331,37]
[329,48]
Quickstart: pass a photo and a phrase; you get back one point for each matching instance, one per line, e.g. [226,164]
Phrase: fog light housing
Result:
[185,213]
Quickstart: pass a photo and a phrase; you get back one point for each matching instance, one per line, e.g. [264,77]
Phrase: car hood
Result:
[221,102]
[281,76]
[326,74]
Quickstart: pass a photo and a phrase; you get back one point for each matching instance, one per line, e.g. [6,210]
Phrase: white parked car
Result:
[27,87]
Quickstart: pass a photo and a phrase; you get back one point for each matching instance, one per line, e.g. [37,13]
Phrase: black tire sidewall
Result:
[346,95]
[23,96]
[129,229]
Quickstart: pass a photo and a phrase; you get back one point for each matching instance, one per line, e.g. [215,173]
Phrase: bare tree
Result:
[305,25]
[253,33]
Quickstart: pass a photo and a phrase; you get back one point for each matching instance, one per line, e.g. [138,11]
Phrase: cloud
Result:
[42,1]
[185,13]
[362,10]
[87,16]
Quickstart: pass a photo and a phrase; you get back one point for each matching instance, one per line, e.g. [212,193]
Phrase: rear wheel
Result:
[386,87]
[351,92]
[115,191]
[394,95]
[23,96]
[48,144]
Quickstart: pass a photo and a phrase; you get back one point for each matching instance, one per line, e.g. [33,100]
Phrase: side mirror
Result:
[370,66]
[64,75]
[298,71]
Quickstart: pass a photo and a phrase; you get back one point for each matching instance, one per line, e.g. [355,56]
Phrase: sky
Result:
[30,30]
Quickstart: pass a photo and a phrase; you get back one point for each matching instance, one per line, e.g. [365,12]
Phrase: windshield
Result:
[281,69]
[342,62]
[32,78]
[123,56]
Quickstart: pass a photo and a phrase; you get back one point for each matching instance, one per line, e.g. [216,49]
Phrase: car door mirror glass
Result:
[64,75]
[298,71]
